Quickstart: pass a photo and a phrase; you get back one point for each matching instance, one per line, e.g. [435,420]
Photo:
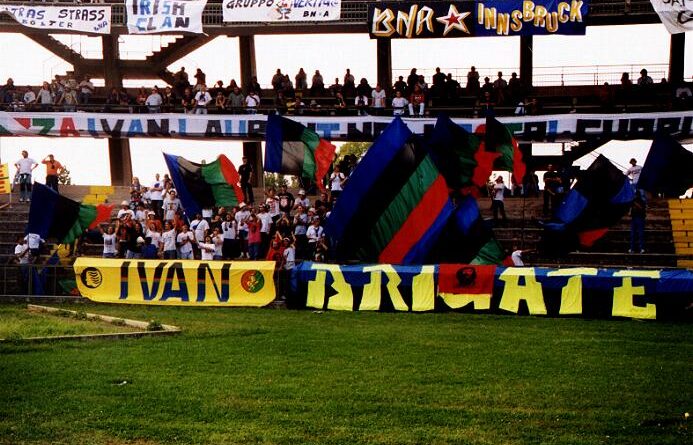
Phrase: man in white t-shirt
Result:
[168,242]
[86,89]
[379,97]
[399,104]
[185,240]
[252,101]
[171,205]
[633,172]
[202,98]
[336,181]
[25,166]
[498,198]
[154,101]
[156,196]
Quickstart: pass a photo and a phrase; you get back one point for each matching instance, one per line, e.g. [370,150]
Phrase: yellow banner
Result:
[5,185]
[176,282]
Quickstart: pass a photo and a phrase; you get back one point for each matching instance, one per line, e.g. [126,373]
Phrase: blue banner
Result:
[523,18]
[570,292]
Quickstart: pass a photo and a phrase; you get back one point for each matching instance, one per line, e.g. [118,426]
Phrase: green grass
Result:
[16,322]
[295,377]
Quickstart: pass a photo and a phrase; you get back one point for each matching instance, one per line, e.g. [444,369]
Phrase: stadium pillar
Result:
[526,62]
[120,161]
[111,58]
[253,151]
[384,60]
[677,54]
[246,48]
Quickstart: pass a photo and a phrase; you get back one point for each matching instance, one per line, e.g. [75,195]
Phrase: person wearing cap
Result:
[286,200]
[245,171]
[125,210]
[53,169]
[171,205]
[302,200]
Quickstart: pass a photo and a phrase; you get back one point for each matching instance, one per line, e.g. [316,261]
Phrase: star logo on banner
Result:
[454,20]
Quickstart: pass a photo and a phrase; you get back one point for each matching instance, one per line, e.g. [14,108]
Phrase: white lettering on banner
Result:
[281,10]
[86,19]
[676,15]
[548,128]
[159,16]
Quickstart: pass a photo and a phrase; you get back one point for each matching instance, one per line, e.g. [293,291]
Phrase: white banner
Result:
[86,19]
[676,15]
[153,17]
[545,128]
[281,10]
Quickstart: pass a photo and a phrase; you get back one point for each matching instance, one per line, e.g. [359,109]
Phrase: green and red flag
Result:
[57,217]
[202,186]
[294,149]
[499,139]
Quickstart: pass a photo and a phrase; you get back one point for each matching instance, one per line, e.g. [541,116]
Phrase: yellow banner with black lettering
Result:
[5,184]
[176,282]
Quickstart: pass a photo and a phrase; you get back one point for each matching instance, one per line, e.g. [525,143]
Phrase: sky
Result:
[629,48]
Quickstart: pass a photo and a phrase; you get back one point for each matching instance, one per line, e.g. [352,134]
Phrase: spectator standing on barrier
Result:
[236,100]
[498,199]
[379,97]
[417,102]
[252,102]
[245,171]
[638,211]
[86,90]
[25,166]
[399,104]
[633,173]
[53,170]
[154,101]
[45,97]
[553,190]
[301,80]
[202,100]
[156,195]
[473,82]
[200,79]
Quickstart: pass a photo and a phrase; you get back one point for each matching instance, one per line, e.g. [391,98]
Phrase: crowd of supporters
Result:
[413,96]
[282,227]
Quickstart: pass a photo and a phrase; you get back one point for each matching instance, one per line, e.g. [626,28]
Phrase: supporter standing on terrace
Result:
[252,101]
[638,211]
[245,171]
[378,95]
[336,87]
[168,242]
[236,100]
[399,104]
[156,195]
[644,79]
[188,100]
[400,86]
[171,206]
[200,79]
[317,87]
[25,166]
[473,82]
[417,102]
[45,97]
[68,99]
[553,189]
[154,101]
[277,80]
[412,80]
[53,169]
[498,198]
[301,80]
[86,90]
[202,99]
[184,241]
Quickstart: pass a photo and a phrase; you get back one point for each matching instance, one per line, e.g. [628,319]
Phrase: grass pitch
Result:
[238,376]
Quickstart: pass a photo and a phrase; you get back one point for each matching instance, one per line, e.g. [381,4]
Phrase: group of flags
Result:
[411,199]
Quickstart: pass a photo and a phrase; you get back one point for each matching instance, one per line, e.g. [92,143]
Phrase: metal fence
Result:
[37,280]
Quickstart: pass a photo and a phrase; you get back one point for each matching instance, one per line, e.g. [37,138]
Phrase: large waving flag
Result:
[668,168]
[460,155]
[202,186]
[395,205]
[499,139]
[599,199]
[293,149]
[54,216]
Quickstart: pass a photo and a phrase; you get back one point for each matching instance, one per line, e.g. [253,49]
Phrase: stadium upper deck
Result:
[353,18]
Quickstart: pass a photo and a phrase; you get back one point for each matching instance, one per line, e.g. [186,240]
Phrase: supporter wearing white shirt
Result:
[289,255]
[228,228]
[156,196]
[379,97]
[185,240]
[336,180]
[29,96]
[252,101]
[168,242]
[200,227]
[171,205]
[25,165]
[109,243]
[218,241]
[21,252]
[633,172]
[125,210]
[207,249]
[399,104]
[33,241]
[202,99]
[154,101]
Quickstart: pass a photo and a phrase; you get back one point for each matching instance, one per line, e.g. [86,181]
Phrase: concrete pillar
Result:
[120,161]
[253,151]
[677,53]
[111,66]
[246,49]
[526,62]
[384,61]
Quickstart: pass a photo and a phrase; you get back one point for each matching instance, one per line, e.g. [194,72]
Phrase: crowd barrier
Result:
[567,292]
